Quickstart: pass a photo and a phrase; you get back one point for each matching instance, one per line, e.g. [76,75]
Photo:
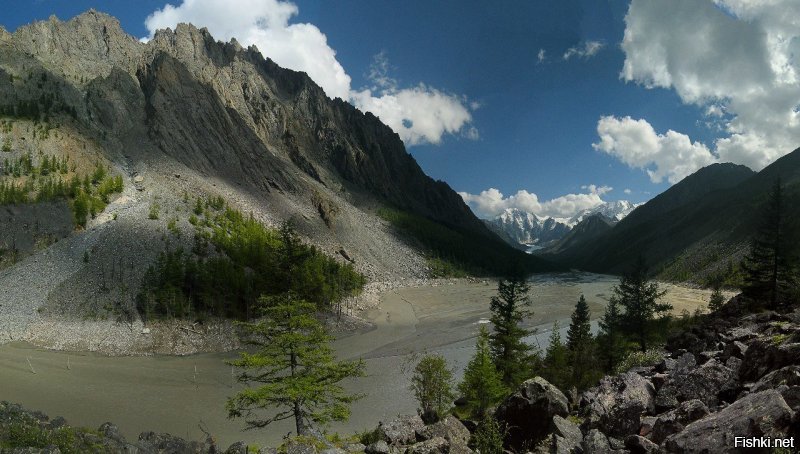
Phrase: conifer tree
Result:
[640,299]
[768,267]
[717,299]
[511,355]
[580,346]
[293,367]
[610,340]
[482,385]
[555,359]
[432,385]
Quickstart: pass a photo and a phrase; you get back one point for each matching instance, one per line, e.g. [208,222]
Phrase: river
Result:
[180,395]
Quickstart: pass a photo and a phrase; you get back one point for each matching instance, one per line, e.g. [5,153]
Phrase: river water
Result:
[180,395]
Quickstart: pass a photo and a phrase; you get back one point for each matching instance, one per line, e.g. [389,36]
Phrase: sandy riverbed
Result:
[164,393]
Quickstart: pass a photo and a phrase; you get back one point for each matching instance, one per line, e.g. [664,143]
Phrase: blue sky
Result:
[549,103]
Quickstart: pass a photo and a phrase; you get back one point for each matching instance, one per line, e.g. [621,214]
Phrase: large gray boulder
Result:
[567,436]
[708,383]
[452,430]
[436,445]
[616,405]
[755,415]
[675,420]
[789,376]
[763,356]
[401,431]
[528,413]
[595,441]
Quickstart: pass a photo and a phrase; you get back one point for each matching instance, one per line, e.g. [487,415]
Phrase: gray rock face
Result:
[379,447]
[595,441]
[567,436]
[759,414]
[450,428]
[706,383]
[789,376]
[401,431]
[436,445]
[616,405]
[763,356]
[640,445]
[675,420]
[528,413]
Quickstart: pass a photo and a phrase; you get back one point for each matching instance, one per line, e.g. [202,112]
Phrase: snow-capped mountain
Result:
[615,211]
[532,230]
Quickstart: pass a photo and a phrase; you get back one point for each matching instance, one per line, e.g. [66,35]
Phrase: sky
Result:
[550,107]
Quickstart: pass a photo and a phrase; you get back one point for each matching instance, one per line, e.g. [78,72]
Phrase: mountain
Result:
[587,230]
[614,210]
[518,227]
[697,229]
[185,118]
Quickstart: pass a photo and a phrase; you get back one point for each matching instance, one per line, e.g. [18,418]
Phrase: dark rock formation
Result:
[528,413]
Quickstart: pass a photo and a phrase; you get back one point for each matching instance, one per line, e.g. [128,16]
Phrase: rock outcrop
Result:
[528,413]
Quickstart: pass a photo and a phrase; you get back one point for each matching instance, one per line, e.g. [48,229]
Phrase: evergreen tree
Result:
[432,384]
[510,353]
[580,346]
[555,359]
[610,340]
[488,438]
[640,298]
[293,367]
[482,385]
[768,267]
[717,299]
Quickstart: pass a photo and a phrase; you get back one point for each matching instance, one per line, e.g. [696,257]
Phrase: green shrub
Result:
[651,357]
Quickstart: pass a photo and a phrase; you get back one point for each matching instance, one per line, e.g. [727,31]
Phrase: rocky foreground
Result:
[732,375]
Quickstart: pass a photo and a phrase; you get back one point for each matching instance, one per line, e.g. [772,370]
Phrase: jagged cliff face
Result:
[227,109]
[182,117]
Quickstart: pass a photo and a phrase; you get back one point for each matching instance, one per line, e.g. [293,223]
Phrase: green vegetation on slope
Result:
[234,261]
[457,253]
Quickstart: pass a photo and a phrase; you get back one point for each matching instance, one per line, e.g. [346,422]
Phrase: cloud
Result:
[491,202]
[419,114]
[587,49]
[738,59]
[541,56]
[634,142]
[627,191]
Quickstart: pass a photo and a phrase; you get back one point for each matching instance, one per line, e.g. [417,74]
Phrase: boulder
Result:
[789,376]
[449,428]
[401,431]
[354,447]
[595,441]
[300,446]
[675,420]
[647,425]
[763,356]
[153,442]
[528,413]
[239,447]
[379,447]
[436,445]
[708,383]
[755,415]
[567,436]
[616,405]
[734,349]
[638,444]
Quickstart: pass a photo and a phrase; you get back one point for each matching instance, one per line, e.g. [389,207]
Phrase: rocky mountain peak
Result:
[82,48]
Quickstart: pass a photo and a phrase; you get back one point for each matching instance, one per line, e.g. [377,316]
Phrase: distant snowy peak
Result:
[530,229]
[616,211]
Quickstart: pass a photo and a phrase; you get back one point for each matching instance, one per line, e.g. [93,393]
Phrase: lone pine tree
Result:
[510,353]
[482,386]
[293,369]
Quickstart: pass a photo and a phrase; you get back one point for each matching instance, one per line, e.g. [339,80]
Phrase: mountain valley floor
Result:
[180,394]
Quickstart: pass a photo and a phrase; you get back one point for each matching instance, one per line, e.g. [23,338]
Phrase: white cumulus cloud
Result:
[738,59]
[634,142]
[586,49]
[419,114]
[491,202]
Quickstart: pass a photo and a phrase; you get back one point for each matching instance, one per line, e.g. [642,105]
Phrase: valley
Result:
[165,393]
